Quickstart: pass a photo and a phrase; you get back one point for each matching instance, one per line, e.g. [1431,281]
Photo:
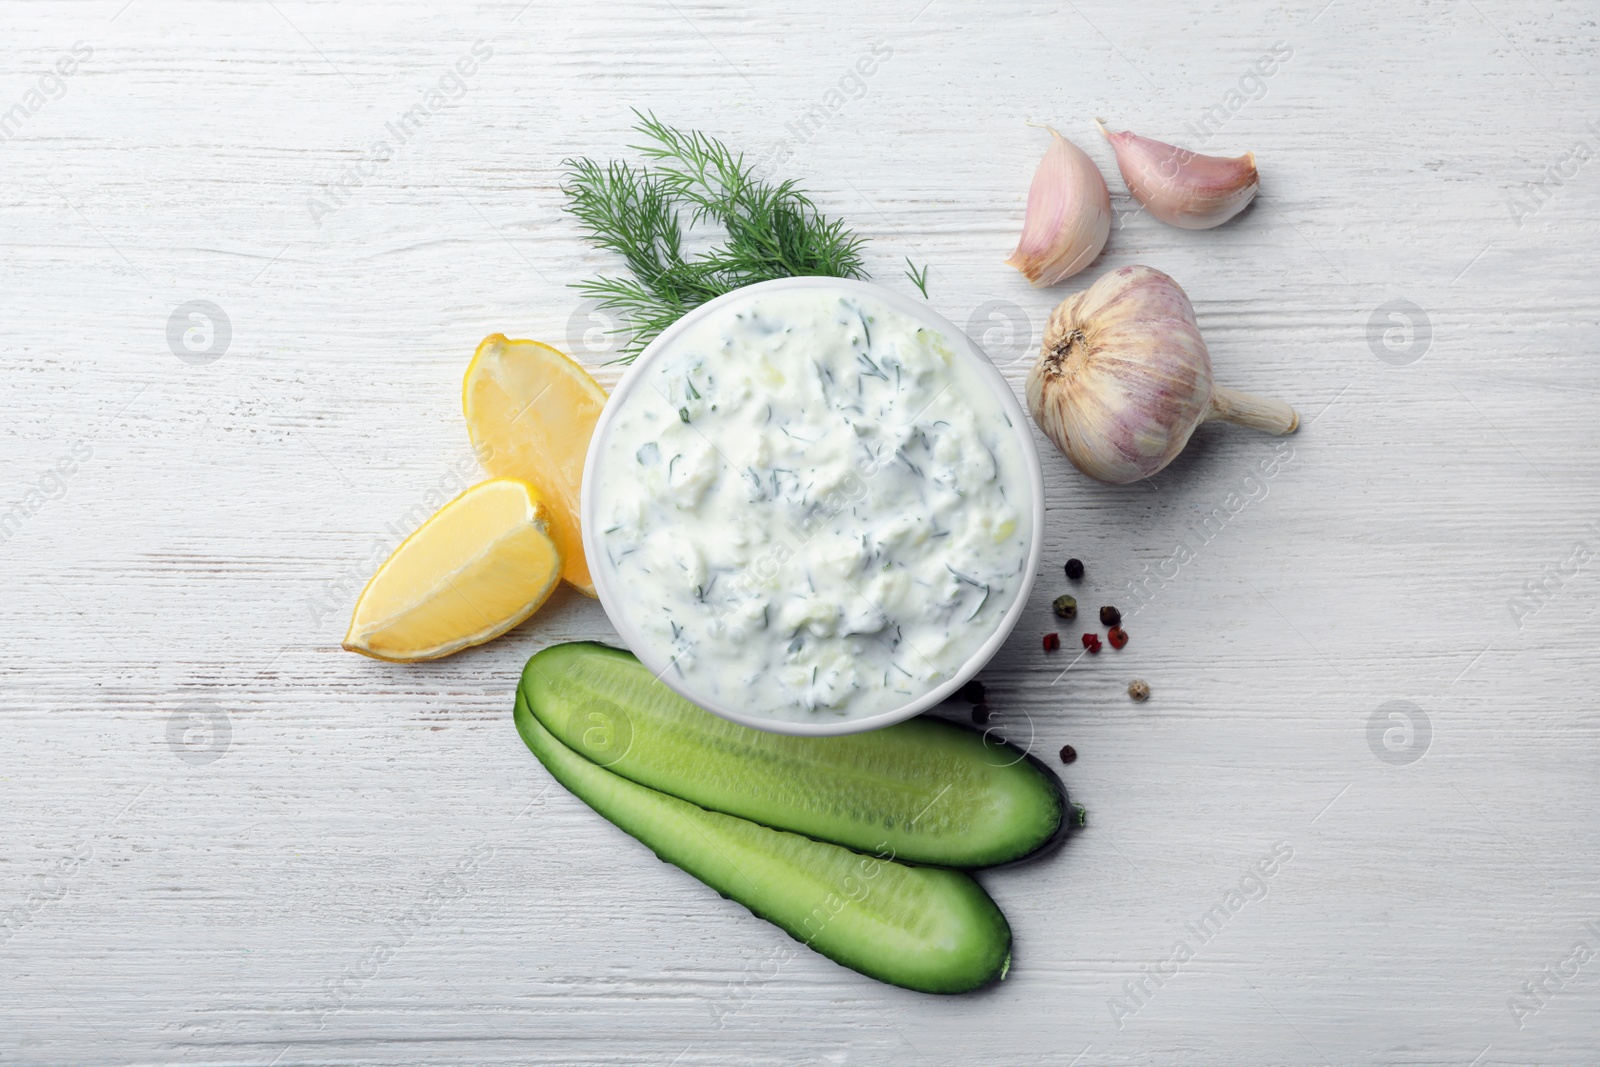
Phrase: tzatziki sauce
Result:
[813,507]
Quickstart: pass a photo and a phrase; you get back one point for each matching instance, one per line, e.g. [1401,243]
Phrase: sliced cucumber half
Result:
[924,928]
[925,791]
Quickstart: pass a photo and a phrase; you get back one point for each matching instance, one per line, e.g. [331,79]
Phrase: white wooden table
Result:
[226,841]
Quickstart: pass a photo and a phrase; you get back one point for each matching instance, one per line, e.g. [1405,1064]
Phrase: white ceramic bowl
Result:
[620,609]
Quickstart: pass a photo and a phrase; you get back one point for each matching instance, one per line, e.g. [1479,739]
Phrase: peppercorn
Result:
[980,713]
[1110,616]
[1068,753]
[972,692]
[1052,642]
[1092,643]
[1065,607]
[1118,636]
[1074,569]
[1138,690]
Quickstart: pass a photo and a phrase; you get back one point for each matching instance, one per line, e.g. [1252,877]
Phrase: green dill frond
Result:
[918,278]
[773,230]
[626,211]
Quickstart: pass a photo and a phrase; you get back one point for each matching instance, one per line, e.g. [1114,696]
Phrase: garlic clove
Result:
[1181,187]
[1124,377]
[1068,218]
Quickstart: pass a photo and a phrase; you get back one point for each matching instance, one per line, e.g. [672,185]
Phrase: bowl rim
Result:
[615,604]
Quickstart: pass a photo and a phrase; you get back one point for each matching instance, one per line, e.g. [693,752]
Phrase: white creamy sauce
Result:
[813,506]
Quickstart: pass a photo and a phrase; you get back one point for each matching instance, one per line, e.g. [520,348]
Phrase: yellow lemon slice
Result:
[530,411]
[480,565]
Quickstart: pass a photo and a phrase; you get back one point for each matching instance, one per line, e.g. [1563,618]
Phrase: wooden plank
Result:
[359,863]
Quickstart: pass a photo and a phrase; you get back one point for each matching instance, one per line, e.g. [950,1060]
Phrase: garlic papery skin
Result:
[1181,187]
[1069,215]
[1123,378]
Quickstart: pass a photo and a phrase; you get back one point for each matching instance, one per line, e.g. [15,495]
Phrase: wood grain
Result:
[227,842]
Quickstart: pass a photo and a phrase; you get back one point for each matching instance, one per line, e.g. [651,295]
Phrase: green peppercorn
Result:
[1065,607]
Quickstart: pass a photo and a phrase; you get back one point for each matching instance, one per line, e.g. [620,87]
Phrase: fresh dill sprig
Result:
[918,278]
[773,230]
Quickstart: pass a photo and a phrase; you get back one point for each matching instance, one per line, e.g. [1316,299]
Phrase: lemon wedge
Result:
[480,565]
[530,411]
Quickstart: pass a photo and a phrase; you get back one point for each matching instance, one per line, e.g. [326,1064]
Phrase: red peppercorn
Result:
[1052,642]
[1092,643]
[1118,636]
[1068,753]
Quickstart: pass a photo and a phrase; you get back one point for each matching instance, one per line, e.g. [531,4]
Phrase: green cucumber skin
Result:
[923,928]
[877,791]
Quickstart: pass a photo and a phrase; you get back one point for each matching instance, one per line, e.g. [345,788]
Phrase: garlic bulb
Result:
[1069,215]
[1123,379]
[1181,187]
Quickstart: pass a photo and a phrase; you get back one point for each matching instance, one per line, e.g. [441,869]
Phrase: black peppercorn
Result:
[980,713]
[1110,616]
[1068,753]
[1074,569]
[972,692]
